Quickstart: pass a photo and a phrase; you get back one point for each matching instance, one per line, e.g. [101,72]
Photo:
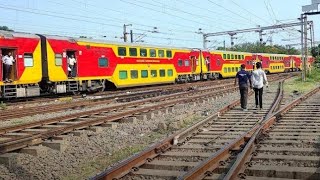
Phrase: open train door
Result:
[72,67]
[13,72]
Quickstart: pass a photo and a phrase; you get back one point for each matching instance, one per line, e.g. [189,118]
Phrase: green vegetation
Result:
[5,28]
[3,105]
[262,48]
[298,87]
[98,164]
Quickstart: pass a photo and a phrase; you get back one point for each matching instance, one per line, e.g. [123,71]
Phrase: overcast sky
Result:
[159,22]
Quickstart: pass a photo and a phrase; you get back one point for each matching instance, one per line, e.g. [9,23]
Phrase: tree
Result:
[5,28]
[261,48]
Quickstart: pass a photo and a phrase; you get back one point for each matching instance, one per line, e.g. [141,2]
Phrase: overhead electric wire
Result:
[249,12]
[231,11]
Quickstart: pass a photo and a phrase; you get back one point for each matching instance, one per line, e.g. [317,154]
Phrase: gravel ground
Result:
[93,151]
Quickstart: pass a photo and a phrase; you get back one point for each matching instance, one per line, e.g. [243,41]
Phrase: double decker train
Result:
[41,64]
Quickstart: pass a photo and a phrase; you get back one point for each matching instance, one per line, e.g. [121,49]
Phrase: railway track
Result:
[178,90]
[286,146]
[194,153]
[19,136]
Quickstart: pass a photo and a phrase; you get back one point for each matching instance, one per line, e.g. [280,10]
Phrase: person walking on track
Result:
[259,78]
[243,77]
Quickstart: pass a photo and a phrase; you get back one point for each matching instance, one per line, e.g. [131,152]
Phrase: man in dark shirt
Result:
[243,77]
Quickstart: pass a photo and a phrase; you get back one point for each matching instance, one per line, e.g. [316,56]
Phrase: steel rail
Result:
[237,170]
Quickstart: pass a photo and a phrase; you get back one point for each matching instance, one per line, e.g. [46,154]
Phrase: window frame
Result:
[130,52]
[123,48]
[180,64]
[24,60]
[169,53]
[186,62]
[145,51]
[134,77]
[107,62]
[162,51]
[163,74]
[123,71]
[171,72]
[142,72]
[55,59]
[151,52]
[154,72]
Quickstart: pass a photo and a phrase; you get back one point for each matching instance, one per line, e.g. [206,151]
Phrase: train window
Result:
[153,53]
[179,62]
[228,56]
[103,62]
[122,51]
[233,69]
[134,74]
[162,73]
[28,60]
[232,56]
[144,73]
[239,56]
[186,62]
[170,72]
[237,69]
[169,54]
[154,73]
[143,53]
[224,56]
[225,70]
[229,69]
[133,52]
[242,56]
[123,74]
[58,59]
[161,53]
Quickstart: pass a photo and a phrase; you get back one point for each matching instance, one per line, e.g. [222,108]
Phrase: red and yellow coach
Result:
[26,71]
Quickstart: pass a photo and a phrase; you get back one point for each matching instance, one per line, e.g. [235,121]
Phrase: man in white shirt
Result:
[7,64]
[259,79]
[72,61]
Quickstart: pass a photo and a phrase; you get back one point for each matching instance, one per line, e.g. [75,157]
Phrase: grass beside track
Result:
[296,86]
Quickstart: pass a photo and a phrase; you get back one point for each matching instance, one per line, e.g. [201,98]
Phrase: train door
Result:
[72,65]
[291,64]
[9,73]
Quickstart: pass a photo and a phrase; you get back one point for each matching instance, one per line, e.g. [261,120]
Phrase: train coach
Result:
[41,64]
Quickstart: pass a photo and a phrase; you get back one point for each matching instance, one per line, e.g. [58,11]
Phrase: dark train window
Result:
[229,69]
[242,56]
[218,62]
[224,56]
[170,72]
[225,70]
[162,73]
[233,69]
[169,54]
[228,56]
[179,62]
[239,56]
[161,53]
[103,62]
[133,51]
[122,51]
[143,53]
[144,73]
[154,73]
[232,56]
[186,62]
[123,74]
[58,59]
[153,53]
[134,74]
[28,60]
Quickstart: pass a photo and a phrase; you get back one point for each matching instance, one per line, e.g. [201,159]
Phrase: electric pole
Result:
[305,60]
[125,31]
